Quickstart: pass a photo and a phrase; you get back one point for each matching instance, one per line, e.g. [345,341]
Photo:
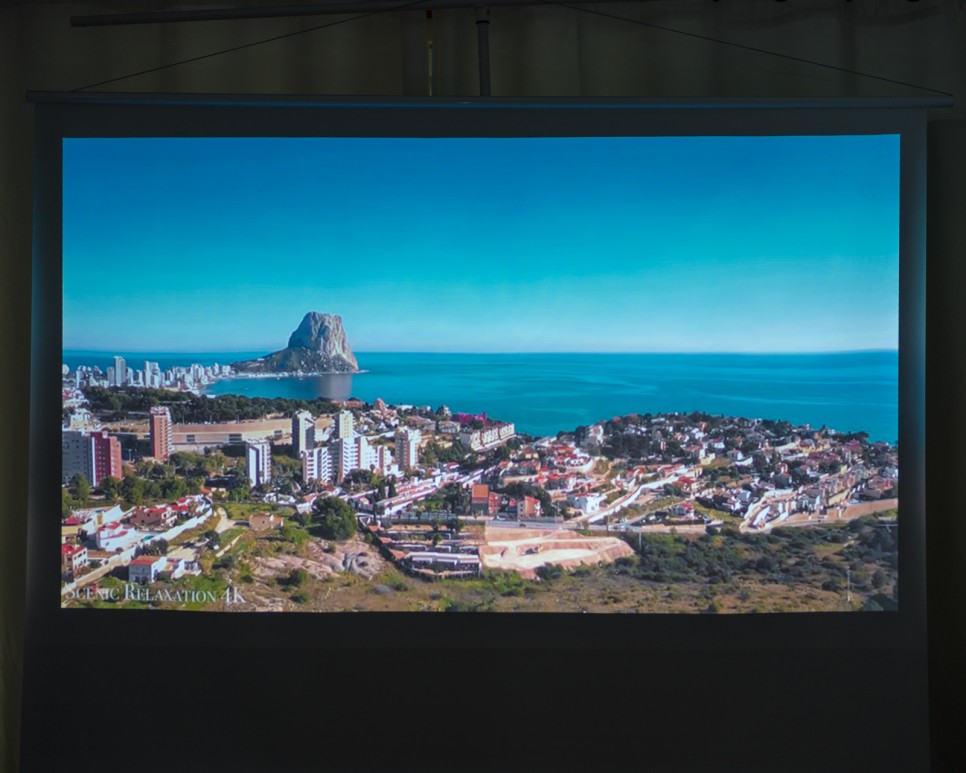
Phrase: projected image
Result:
[602,375]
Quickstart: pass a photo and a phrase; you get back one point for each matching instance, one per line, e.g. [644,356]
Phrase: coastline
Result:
[551,393]
[286,374]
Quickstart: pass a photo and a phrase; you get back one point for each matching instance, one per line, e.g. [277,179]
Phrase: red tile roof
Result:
[146,560]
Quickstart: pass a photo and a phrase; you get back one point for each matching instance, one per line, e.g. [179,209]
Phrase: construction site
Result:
[525,550]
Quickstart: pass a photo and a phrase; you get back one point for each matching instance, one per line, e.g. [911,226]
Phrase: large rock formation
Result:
[317,345]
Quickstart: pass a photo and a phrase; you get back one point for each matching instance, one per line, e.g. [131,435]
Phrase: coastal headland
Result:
[319,345]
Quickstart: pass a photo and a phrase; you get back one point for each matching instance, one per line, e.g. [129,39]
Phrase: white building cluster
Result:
[347,452]
[151,376]
[480,439]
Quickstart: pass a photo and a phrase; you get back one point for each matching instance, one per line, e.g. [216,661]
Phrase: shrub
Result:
[335,519]
[550,572]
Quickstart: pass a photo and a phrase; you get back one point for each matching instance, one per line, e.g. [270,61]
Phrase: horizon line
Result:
[118,353]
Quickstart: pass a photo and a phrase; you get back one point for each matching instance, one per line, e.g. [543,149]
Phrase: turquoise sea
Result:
[546,393]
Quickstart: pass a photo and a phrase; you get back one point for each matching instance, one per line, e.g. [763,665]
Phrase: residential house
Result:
[264,521]
[73,557]
[528,507]
[146,568]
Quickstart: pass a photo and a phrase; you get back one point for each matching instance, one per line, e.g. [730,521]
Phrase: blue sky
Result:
[667,244]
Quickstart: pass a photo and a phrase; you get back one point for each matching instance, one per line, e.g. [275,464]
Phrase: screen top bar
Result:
[627,103]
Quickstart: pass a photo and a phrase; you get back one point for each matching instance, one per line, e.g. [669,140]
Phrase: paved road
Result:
[224,522]
[92,576]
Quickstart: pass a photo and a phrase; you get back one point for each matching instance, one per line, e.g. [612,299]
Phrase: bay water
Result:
[547,393]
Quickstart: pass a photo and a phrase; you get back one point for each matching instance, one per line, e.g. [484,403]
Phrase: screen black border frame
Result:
[106,115]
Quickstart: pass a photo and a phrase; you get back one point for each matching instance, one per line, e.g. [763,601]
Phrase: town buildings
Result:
[161,435]
[258,460]
[180,378]
[95,455]
[346,453]
[303,432]
[492,435]
[317,464]
[120,372]
[407,447]
[152,375]
[344,425]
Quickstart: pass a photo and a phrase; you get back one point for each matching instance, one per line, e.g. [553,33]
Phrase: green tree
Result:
[111,488]
[156,547]
[239,492]
[334,517]
[214,462]
[360,478]
[66,504]
[184,461]
[173,488]
[132,490]
[82,489]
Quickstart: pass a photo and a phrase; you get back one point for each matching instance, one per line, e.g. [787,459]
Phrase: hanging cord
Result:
[400,7]
[604,14]
[753,49]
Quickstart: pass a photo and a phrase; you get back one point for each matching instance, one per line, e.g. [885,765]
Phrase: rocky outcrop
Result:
[317,345]
[324,334]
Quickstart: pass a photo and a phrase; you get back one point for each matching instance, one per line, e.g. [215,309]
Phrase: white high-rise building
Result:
[367,454]
[384,461]
[344,426]
[317,464]
[152,375]
[258,458]
[346,456]
[407,447]
[303,432]
[120,372]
